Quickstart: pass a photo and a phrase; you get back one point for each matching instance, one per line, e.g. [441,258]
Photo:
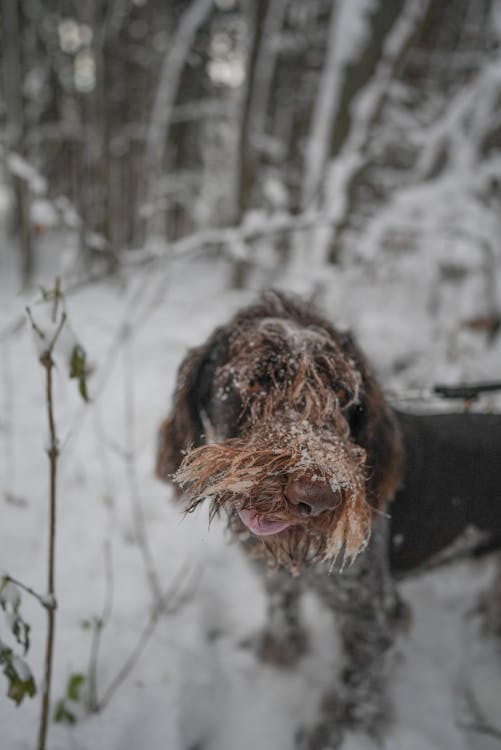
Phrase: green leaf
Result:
[62,715]
[19,689]
[18,674]
[78,369]
[46,294]
[21,631]
[10,601]
[74,686]
[65,712]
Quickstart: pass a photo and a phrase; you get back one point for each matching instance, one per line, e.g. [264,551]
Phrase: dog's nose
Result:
[310,497]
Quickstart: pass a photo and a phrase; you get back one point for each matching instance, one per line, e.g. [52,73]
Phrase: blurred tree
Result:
[133,120]
[16,130]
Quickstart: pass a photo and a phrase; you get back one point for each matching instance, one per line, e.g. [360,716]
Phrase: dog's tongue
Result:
[262,526]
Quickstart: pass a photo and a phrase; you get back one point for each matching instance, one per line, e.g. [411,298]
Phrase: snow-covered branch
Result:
[348,28]
[168,87]
[366,108]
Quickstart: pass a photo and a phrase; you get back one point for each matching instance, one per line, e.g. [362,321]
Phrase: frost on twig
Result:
[54,337]
[45,600]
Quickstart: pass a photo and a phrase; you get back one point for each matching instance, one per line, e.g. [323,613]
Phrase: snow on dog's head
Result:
[278,420]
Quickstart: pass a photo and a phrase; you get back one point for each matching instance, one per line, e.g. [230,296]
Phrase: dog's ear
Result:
[183,428]
[374,427]
[167,459]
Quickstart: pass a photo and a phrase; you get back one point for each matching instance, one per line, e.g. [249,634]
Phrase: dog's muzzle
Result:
[310,497]
[306,497]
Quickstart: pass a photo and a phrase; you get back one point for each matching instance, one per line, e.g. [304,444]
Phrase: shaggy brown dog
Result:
[278,420]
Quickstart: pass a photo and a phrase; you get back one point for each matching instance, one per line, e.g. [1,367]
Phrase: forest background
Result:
[165,161]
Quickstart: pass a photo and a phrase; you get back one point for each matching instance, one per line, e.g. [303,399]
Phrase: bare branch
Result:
[8,383]
[266,63]
[352,157]
[47,363]
[329,92]
[131,469]
[168,603]
[46,601]
[99,625]
[478,727]
[168,86]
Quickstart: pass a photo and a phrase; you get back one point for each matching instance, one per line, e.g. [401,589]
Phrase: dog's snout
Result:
[310,497]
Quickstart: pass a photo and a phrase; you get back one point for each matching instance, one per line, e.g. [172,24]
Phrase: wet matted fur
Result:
[278,422]
[279,394]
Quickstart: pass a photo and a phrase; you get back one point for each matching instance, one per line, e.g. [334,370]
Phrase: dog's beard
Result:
[249,474]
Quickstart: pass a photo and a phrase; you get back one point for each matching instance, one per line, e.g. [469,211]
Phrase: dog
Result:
[279,422]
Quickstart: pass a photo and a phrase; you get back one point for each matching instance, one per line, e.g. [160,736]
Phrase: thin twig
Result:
[478,727]
[168,603]
[477,723]
[57,298]
[132,320]
[165,96]
[8,418]
[203,241]
[47,363]
[131,469]
[38,331]
[46,601]
[99,625]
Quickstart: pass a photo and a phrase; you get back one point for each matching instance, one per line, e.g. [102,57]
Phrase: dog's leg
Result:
[493,601]
[367,607]
[369,610]
[283,640]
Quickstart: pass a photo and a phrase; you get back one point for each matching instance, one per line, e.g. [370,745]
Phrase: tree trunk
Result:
[15,111]
[245,155]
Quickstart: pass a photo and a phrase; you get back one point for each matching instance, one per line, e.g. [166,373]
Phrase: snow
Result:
[9,596]
[49,601]
[22,669]
[198,682]
[43,212]
[348,29]
[22,169]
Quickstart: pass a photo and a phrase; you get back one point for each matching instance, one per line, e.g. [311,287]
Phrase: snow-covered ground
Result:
[197,683]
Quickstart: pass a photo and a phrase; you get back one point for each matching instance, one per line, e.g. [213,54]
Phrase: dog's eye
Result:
[255,386]
[343,396]
[226,411]
[261,383]
[356,419]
